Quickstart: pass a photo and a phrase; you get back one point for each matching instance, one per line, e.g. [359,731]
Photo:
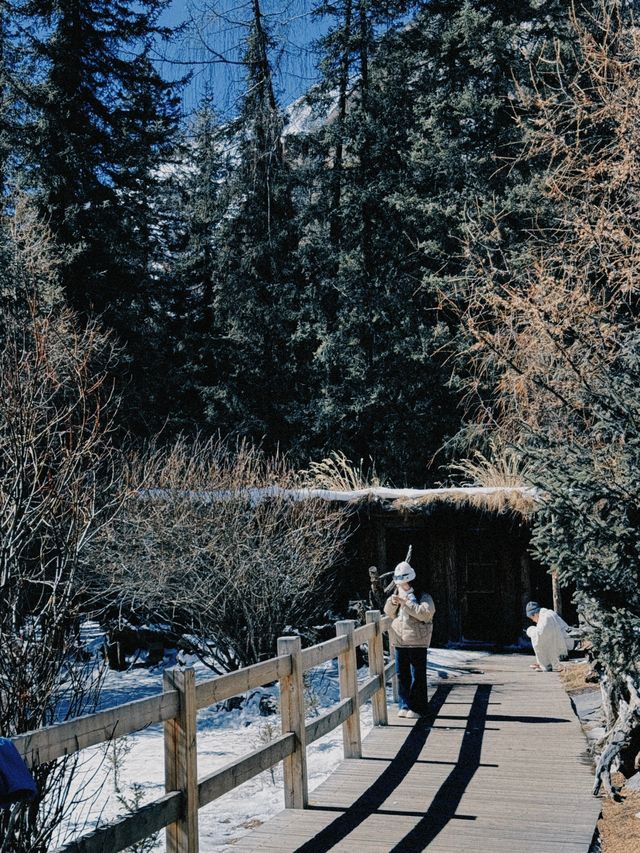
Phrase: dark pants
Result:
[411,669]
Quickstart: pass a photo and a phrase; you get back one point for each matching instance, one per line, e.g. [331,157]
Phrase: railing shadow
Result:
[385,784]
[444,805]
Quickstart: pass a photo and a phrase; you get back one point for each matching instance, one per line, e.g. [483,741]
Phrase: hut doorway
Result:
[479,583]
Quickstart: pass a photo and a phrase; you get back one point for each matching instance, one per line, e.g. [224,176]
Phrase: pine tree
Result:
[12,106]
[102,121]
[5,107]
[94,133]
[373,359]
[421,133]
[144,182]
[251,298]
[193,336]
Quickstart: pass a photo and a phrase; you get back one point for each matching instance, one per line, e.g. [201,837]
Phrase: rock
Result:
[268,705]
[588,706]
[633,783]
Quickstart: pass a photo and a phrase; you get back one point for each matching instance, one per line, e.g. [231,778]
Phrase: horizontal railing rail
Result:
[61,739]
[325,723]
[242,769]
[223,687]
[177,707]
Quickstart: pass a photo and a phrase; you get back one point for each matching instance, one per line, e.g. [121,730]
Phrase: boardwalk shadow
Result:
[385,784]
[502,718]
[445,803]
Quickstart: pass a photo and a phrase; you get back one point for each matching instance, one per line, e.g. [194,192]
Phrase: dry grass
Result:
[619,825]
[337,473]
[573,675]
[519,500]
[503,466]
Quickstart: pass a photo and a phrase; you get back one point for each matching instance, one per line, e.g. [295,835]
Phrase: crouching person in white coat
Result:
[549,637]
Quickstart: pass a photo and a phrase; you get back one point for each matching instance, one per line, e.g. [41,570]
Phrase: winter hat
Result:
[403,572]
[532,608]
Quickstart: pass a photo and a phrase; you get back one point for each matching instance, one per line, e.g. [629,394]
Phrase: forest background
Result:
[269,271]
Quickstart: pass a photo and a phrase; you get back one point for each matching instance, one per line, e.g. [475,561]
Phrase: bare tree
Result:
[55,460]
[555,338]
[217,542]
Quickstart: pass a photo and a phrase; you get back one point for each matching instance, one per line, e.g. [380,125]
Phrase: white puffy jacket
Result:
[412,623]
[550,638]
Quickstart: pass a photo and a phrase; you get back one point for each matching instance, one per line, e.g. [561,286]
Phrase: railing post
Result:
[180,762]
[296,792]
[376,667]
[348,673]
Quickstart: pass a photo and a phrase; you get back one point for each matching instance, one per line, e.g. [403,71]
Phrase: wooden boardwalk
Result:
[498,765]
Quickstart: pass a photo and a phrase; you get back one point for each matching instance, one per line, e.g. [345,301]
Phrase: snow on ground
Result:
[223,735]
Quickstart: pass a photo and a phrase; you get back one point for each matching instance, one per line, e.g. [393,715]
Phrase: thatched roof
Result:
[497,499]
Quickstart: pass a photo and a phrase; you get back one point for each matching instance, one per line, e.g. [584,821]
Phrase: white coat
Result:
[550,638]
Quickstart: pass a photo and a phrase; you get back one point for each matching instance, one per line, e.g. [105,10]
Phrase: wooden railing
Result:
[177,707]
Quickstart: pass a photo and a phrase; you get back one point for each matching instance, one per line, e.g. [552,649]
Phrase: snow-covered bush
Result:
[210,543]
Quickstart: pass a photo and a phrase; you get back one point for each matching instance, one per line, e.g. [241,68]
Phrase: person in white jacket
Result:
[549,637]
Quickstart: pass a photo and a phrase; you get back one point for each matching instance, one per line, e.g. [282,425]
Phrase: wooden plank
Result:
[348,676]
[181,762]
[296,790]
[385,623]
[60,739]
[332,719]
[376,669]
[233,683]
[364,634]
[315,655]
[383,826]
[282,845]
[129,830]
[410,793]
[392,827]
[242,769]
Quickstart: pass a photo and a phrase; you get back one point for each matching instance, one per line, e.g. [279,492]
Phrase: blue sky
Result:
[219,37]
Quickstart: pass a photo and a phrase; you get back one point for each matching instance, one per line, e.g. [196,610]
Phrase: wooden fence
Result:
[177,707]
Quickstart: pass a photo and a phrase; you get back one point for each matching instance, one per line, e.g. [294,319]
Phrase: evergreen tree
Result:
[251,298]
[5,106]
[193,336]
[145,187]
[13,69]
[102,123]
[421,132]
[374,353]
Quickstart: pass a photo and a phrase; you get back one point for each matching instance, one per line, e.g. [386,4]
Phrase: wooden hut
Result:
[470,547]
